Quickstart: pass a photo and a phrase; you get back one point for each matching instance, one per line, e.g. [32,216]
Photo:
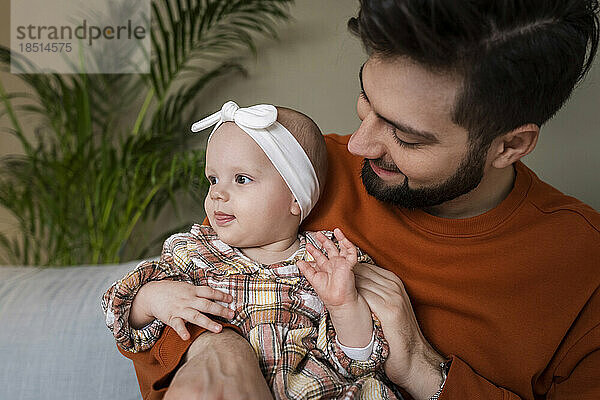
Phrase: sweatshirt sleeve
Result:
[464,383]
[574,372]
[117,301]
[571,374]
[582,383]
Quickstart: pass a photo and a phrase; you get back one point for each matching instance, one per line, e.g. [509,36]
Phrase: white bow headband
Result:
[280,146]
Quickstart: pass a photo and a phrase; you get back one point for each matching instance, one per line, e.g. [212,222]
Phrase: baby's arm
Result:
[174,303]
[332,278]
[118,300]
[157,293]
[355,342]
[352,362]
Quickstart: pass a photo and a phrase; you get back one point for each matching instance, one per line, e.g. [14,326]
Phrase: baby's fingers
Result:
[206,306]
[209,293]
[347,248]
[179,327]
[306,269]
[316,254]
[198,318]
[328,245]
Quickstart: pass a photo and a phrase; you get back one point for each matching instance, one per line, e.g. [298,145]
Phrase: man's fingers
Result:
[374,271]
[378,305]
[381,299]
[368,293]
[367,270]
[210,293]
[375,274]
[362,282]
[374,300]
[366,283]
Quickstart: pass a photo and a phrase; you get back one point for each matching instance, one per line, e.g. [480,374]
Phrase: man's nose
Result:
[366,141]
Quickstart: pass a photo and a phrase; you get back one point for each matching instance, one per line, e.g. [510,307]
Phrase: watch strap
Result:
[444,369]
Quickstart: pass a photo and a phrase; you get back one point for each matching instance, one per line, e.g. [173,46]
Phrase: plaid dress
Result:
[276,309]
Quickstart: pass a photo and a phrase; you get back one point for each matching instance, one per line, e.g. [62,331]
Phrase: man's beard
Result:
[467,177]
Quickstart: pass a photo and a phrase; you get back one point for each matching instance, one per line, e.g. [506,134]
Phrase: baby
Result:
[291,294]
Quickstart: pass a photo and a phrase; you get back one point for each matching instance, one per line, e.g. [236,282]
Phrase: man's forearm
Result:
[426,377]
[228,342]
[219,366]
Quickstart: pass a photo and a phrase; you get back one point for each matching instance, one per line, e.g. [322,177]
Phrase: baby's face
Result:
[248,203]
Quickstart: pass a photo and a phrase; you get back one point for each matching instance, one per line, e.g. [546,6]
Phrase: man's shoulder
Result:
[337,144]
[568,211]
[336,139]
[341,163]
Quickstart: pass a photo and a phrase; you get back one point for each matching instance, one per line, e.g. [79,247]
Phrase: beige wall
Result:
[314,66]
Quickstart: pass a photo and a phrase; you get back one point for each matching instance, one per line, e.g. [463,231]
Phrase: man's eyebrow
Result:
[423,135]
[362,88]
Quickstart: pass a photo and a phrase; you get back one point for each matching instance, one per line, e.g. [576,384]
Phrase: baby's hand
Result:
[332,275]
[174,302]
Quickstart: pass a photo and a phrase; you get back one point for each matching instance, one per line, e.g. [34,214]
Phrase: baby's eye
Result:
[242,180]
[213,180]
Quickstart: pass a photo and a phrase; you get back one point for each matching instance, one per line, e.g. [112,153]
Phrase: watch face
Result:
[445,367]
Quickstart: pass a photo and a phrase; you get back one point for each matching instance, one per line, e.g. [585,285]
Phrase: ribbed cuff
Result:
[358,353]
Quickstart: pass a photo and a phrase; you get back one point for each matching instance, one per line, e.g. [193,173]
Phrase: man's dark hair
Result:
[519,59]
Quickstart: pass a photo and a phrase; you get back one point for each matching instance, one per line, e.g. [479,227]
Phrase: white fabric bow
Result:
[280,146]
[259,116]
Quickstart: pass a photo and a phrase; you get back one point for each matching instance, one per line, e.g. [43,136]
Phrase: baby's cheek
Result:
[208,209]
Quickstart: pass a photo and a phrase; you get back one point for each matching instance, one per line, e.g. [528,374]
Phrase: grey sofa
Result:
[53,341]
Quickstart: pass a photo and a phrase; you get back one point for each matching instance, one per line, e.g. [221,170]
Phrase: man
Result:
[489,286]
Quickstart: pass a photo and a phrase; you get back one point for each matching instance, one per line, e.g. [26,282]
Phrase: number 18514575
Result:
[41,47]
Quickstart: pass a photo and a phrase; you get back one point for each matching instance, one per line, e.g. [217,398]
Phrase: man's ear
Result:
[295,208]
[514,145]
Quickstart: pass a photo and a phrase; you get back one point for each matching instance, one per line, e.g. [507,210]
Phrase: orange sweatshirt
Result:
[511,295]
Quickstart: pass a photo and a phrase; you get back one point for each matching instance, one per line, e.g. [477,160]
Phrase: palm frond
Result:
[93,169]
[210,26]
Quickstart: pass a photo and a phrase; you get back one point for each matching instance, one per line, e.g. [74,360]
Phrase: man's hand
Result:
[175,302]
[219,367]
[412,363]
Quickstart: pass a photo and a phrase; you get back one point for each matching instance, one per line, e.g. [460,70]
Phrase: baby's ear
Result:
[295,208]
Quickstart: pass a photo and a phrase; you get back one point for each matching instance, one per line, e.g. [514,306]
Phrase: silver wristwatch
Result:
[444,369]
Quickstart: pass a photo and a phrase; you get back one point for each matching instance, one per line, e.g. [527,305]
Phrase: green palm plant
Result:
[89,177]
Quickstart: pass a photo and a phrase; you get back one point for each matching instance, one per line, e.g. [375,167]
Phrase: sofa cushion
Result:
[53,340]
